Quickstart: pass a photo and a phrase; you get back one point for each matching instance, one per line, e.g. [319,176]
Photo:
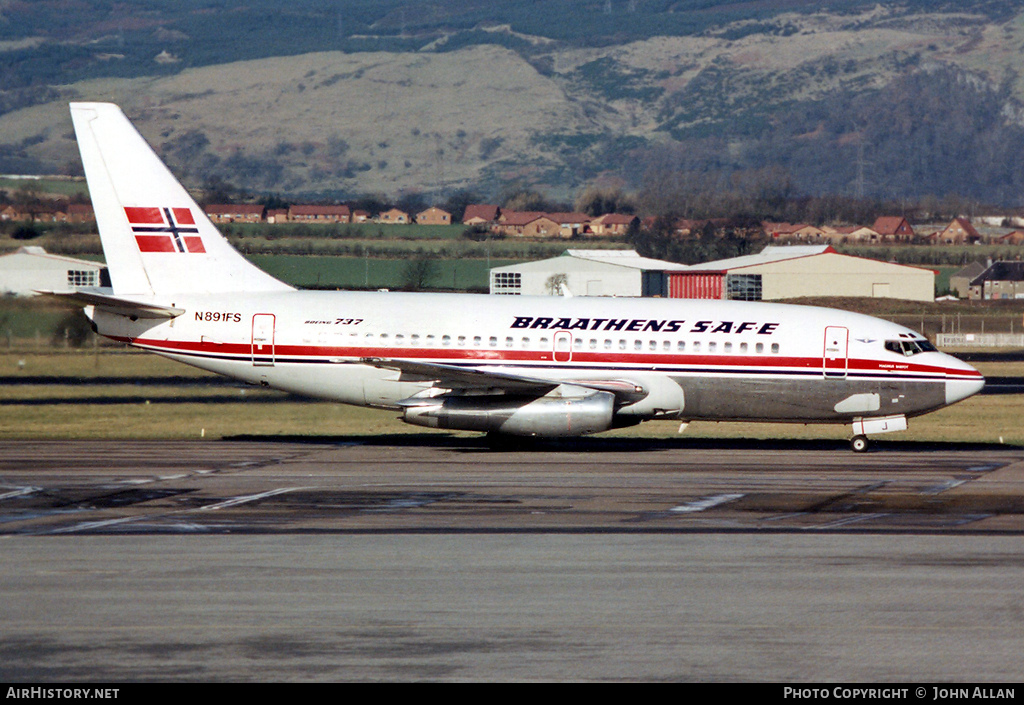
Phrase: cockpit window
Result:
[909,347]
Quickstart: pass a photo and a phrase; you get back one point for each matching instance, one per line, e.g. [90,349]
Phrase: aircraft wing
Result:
[474,379]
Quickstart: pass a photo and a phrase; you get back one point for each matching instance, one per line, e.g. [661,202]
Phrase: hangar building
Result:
[31,269]
[587,273]
[781,272]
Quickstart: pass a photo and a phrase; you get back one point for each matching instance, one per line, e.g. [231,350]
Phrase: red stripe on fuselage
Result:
[497,357]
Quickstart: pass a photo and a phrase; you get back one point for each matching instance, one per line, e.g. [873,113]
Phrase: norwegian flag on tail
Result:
[165,230]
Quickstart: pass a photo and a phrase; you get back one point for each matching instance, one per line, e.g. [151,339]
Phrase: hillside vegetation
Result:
[330,99]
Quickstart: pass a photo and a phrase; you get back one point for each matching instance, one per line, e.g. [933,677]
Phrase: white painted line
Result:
[848,520]
[707,503]
[89,525]
[943,486]
[21,492]
[251,498]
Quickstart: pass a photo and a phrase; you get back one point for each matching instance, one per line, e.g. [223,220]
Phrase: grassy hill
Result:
[397,97]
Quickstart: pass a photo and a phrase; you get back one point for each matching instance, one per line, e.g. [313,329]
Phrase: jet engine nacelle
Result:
[517,416]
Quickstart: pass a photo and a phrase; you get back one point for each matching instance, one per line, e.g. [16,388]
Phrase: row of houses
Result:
[499,221]
[58,213]
[243,213]
[959,231]
[238,213]
[544,225]
[538,224]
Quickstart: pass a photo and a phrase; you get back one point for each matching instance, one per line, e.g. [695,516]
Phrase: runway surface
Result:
[436,558]
[451,484]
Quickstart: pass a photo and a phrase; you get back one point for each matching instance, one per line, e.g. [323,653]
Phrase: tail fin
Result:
[156,240]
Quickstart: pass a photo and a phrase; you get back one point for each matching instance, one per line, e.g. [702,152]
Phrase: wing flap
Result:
[476,380]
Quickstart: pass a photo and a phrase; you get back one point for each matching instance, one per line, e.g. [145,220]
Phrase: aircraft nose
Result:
[959,389]
[962,381]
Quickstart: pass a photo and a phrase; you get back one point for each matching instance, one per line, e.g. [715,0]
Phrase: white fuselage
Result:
[695,359]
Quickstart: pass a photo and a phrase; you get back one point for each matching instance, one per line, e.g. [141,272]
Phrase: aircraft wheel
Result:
[859,444]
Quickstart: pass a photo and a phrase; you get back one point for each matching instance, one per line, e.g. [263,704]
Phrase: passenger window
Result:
[653,344]
[696,347]
[638,344]
[509,342]
[681,346]
[493,341]
[759,348]
[728,348]
[477,340]
[622,344]
[462,340]
[775,347]
[743,347]
[446,340]
[712,347]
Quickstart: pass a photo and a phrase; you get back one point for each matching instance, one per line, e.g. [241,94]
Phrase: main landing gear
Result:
[859,444]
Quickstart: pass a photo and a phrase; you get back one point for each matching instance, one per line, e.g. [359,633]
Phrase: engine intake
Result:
[549,417]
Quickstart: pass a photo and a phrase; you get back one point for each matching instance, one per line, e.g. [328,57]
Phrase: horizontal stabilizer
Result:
[121,307]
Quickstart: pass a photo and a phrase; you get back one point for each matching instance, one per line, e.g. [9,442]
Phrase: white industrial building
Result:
[32,269]
[586,273]
[781,272]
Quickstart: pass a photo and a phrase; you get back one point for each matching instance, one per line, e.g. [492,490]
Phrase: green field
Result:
[51,187]
[324,272]
[118,393]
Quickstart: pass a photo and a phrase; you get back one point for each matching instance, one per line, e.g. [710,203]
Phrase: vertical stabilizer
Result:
[156,239]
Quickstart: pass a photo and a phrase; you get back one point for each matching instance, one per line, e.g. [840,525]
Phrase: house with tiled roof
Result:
[958,232]
[612,224]
[893,227]
[526,224]
[276,215]
[480,214]
[394,216]
[1015,237]
[571,224]
[320,214]
[434,216]
[1000,280]
[234,212]
[960,281]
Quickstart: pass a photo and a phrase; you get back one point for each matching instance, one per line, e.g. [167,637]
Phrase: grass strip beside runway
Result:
[114,393]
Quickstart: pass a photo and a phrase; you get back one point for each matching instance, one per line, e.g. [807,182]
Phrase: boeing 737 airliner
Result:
[524,366]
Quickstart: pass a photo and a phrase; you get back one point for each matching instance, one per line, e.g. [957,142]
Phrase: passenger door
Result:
[834,357]
[263,340]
